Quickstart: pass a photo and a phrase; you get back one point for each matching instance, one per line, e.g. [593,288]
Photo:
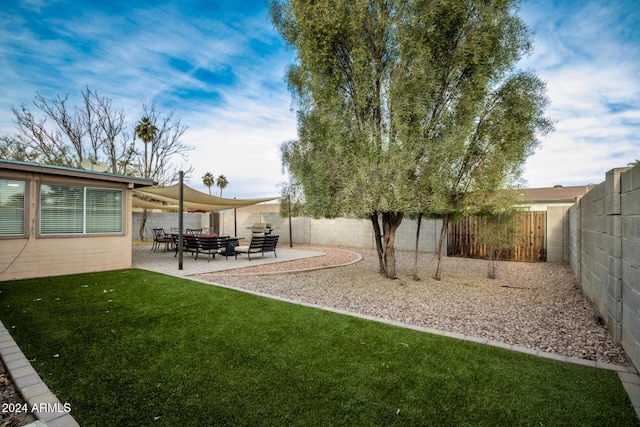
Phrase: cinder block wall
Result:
[167,220]
[605,254]
[574,238]
[357,233]
[630,264]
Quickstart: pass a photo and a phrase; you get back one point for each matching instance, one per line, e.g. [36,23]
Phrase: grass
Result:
[136,348]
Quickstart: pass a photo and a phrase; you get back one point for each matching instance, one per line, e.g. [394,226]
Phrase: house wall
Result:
[605,254]
[557,243]
[545,206]
[38,256]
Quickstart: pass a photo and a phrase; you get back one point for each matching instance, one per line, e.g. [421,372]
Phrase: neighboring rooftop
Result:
[557,193]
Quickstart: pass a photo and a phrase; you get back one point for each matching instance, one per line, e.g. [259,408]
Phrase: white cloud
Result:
[224,75]
[591,69]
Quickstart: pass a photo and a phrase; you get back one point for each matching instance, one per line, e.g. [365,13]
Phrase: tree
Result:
[498,233]
[292,203]
[222,183]
[342,84]
[13,148]
[163,146]
[509,120]
[208,179]
[66,135]
[396,103]
[146,131]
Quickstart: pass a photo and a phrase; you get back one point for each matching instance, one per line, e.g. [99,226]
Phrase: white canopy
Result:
[192,199]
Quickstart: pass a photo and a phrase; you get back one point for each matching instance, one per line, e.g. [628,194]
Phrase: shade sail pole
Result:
[180,220]
[289,211]
[235,223]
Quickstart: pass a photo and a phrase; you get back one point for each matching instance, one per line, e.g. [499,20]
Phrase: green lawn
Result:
[137,348]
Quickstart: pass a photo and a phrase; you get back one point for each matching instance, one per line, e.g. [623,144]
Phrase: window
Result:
[80,210]
[12,207]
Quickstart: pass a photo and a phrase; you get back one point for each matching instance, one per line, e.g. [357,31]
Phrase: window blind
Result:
[104,210]
[80,210]
[12,207]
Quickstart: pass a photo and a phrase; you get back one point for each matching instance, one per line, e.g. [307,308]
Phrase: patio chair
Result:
[176,242]
[194,231]
[159,237]
[255,246]
[211,245]
[190,244]
[270,243]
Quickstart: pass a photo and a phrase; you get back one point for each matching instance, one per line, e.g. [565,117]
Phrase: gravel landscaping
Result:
[536,305]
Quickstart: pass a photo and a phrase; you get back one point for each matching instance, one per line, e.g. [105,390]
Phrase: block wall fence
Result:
[354,233]
[599,236]
[604,246]
[349,232]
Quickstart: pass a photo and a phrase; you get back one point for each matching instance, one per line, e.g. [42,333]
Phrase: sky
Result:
[221,65]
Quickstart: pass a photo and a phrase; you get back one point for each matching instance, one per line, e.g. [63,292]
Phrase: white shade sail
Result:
[192,199]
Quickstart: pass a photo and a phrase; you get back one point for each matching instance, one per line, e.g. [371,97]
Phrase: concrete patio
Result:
[166,262]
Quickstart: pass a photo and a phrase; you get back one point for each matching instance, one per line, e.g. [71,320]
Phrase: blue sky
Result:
[221,65]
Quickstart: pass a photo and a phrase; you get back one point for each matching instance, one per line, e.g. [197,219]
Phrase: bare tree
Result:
[66,135]
[165,147]
[50,144]
[106,129]
[162,148]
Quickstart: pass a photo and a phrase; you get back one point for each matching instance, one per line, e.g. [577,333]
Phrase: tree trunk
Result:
[390,223]
[385,243]
[378,239]
[145,214]
[415,255]
[146,163]
[443,234]
[491,273]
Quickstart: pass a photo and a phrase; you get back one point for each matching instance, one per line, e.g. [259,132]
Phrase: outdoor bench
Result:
[206,244]
[259,244]
[212,245]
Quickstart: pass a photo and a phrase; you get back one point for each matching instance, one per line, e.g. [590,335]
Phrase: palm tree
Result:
[208,180]
[222,183]
[146,131]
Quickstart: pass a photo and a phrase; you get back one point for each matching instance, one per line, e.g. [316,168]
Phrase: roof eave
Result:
[134,182]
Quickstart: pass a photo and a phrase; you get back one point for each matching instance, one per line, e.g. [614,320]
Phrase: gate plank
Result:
[528,243]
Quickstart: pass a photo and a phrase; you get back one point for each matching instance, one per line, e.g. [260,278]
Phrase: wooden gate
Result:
[528,243]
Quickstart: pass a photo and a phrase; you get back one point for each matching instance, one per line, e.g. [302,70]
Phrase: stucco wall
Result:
[43,256]
[557,238]
[605,254]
